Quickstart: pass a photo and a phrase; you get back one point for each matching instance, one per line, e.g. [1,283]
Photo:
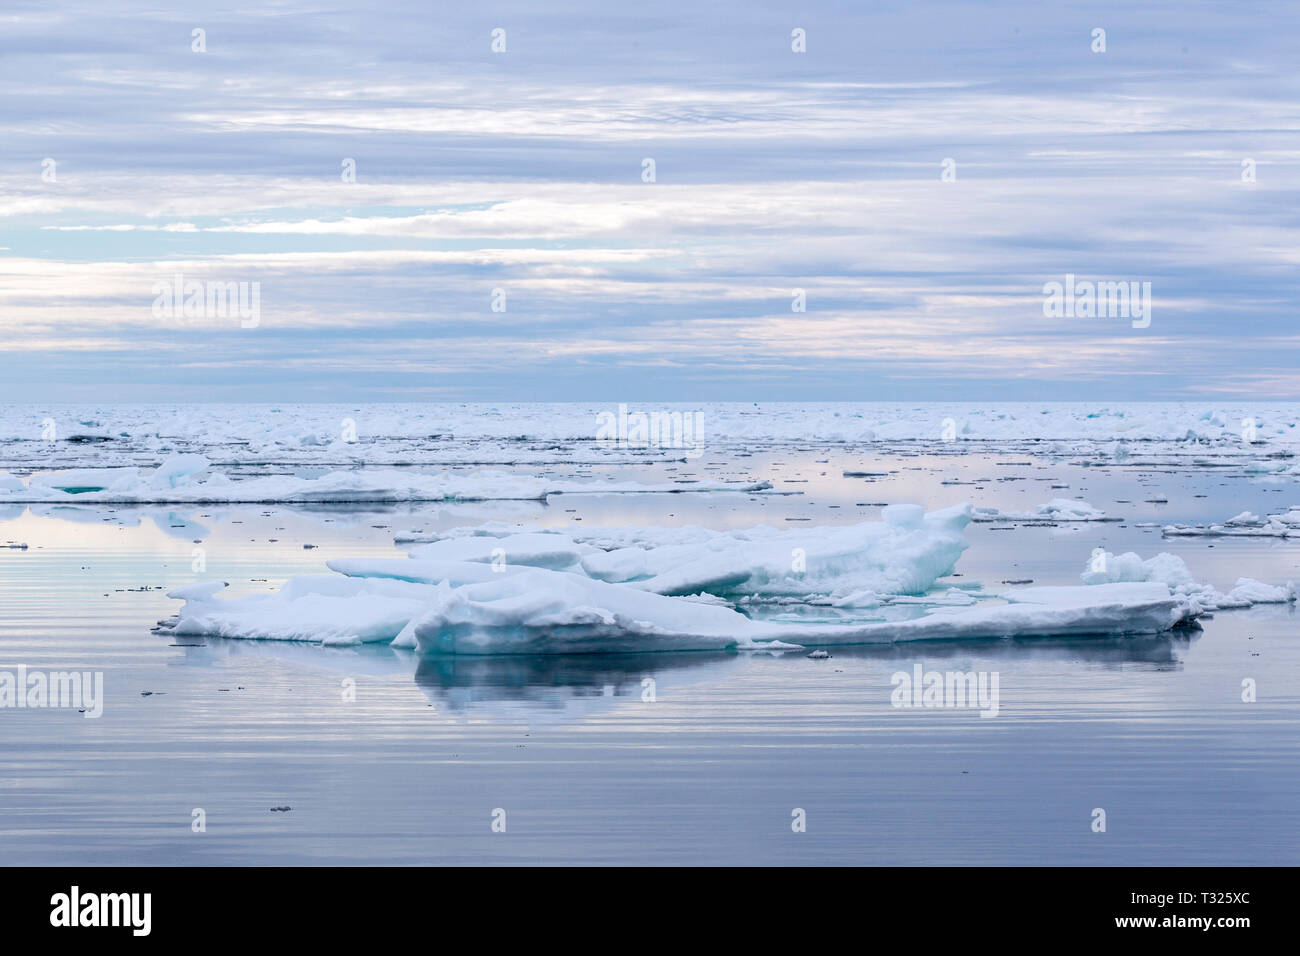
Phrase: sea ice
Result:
[315,426]
[454,597]
[1058,509]
[326,609]
[1244,525]
[186,479]
[1171,571]
[537,611]
[903,553]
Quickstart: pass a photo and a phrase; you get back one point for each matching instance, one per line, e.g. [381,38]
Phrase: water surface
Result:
[589,771]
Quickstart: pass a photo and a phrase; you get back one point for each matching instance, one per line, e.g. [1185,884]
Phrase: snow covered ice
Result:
[100,429]
[185,478]
[1058,509]
[485,591]
[1172,572]
[1244,525]
[538,611]
[905,552]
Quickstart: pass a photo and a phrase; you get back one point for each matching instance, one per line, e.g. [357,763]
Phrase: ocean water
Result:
[582,766]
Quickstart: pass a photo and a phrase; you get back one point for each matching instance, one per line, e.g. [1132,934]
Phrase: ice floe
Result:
[1244,525]
[326,609]
[1056,510]
[537,611]
[1172,572]
[476,592]
[187,479]
[903,553]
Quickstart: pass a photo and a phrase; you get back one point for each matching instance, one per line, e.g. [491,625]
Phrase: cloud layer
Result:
[428,218]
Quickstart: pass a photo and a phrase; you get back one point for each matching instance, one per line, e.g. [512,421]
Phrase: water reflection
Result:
[1162,651]
[575,685]
[557,681]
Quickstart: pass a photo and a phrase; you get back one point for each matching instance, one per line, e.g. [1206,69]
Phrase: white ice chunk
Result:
[175,470]
[541,611]
[535,550]
[1172,572]
[1168,569]
[1256,592]
[1058,509]
[905,553]
[324,608]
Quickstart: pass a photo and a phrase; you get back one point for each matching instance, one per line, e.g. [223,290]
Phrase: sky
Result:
[919,170]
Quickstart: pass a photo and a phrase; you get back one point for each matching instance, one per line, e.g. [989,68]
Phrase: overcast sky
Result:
[522,171]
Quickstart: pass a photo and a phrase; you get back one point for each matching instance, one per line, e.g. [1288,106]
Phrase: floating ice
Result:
[903,553]
[1244,525]
[1171,571]
[326,609]
[1248,591]
[373,433]
[177,480]
[537,611]
[1058,509]
[539,550]
[454,596]
[1168,569]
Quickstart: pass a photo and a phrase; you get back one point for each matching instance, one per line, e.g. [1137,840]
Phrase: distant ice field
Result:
[266,436]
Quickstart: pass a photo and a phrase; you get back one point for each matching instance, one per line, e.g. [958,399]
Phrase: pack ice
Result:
[1244,525]
[1056,510]
[186,479]
[497,590]
[316,426]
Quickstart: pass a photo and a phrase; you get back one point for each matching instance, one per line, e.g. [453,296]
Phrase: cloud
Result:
[774,172]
